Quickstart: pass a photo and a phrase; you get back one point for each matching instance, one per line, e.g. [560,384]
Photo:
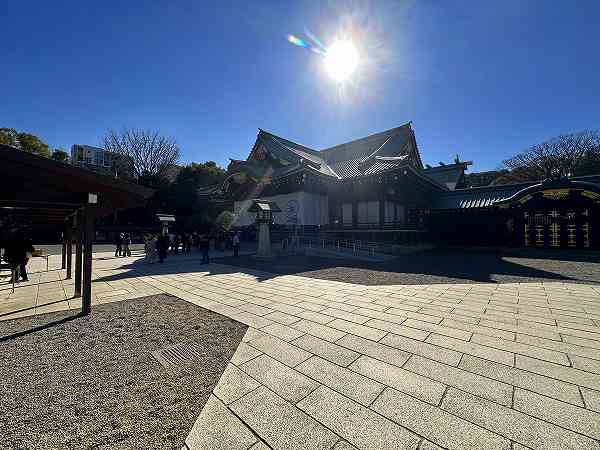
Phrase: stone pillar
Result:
[264,240]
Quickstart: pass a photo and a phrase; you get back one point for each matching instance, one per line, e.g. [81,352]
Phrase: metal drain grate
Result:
[182,354]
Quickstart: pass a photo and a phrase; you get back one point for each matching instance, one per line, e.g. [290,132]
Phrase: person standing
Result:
[119,244]
[18,251]
[126,244]
[162,245]
[204,247]
[236,244]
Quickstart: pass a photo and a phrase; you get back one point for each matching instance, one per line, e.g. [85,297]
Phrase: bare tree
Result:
[565,155]
[143,155]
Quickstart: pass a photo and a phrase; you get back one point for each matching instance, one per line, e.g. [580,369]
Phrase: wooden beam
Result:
[86,301]
[69,238]
[78,251]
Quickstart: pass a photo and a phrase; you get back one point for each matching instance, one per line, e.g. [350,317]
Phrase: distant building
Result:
[92,158]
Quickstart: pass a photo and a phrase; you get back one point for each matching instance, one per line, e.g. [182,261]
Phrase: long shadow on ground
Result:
[71,381]
[429,267]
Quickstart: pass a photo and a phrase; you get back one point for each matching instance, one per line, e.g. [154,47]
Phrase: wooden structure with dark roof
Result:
[42,191]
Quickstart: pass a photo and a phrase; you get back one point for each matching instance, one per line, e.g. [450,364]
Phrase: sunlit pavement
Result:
[326,364]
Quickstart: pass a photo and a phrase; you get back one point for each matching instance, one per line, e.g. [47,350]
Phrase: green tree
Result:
[60,155]
[33,144]
[8,136]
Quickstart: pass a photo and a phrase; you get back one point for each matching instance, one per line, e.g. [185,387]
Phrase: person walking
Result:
[162,245]
[17,253]
[236,244]
[119,244]
[204,247]
[126,244]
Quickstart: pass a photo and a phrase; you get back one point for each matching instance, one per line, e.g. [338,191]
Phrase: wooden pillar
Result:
[69,249]
[86,302]
[64,248]
[78,251]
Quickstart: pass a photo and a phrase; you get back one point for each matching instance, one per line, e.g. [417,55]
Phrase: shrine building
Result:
[376,188]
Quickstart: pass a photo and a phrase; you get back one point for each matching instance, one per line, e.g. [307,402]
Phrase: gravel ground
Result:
[437,266]
[91,382]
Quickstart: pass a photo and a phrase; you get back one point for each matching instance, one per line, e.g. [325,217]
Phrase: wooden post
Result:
[78,251]
[64,248]
[69,238]
[86,302]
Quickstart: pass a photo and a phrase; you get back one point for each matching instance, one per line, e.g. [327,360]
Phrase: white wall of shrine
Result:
[297,208]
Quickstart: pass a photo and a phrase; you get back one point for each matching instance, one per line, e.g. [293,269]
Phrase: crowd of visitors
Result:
[158,246]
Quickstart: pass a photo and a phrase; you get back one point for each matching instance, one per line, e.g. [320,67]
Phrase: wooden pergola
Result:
[41,191]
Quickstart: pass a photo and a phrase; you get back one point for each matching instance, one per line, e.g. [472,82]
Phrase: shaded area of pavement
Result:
[70,381]
[436,266]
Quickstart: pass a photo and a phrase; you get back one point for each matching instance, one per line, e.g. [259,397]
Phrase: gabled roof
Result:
[448,175]
[366,156]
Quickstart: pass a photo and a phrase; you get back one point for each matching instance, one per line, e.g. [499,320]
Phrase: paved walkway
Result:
[327,364]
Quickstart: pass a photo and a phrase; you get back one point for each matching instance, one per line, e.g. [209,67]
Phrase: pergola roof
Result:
[42,190]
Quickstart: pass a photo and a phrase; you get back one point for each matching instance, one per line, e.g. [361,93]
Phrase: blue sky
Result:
[479,78]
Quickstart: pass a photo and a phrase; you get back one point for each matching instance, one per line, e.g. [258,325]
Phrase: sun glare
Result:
[341,60]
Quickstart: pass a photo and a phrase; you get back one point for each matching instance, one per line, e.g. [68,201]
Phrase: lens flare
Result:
[301,43]
[341,60]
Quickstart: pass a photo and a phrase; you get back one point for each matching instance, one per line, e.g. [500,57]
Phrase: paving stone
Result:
[344,445]
[260,446]
[217,428]
[473,348]
[432,318]
[381,315]
[327,350]
[283,332]
[315,317]
[426,445]
[280,424]
[375,350]
[285,308]
[345,381]
[251,319]
[522,348]
[321,331]
[244,353]
[524,379]
[280,350]
[349,316]
[558,346]
[512,424]
[567,416]
[255,309]
[281,317]
[233,384]
[590,343]
[568,374]
[357,329]
[398,329]
[439,329]
[411,383]
[422,348]
[251,334]
[311,306]
[587,364]
[591,398]
[358,425]
[467,381]
[286,382]
[434,424]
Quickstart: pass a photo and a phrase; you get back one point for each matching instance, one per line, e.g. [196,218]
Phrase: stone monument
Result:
[264,218]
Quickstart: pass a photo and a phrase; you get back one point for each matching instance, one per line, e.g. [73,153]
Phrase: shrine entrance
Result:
[557,214]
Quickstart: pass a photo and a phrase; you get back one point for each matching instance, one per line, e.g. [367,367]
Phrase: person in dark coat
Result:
[18,251]
[119,244]
[162,245]
[126,244]
[204,248]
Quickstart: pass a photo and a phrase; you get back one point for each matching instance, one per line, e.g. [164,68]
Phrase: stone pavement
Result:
[326,364]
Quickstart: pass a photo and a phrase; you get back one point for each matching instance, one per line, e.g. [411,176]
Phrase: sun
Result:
[341,60]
